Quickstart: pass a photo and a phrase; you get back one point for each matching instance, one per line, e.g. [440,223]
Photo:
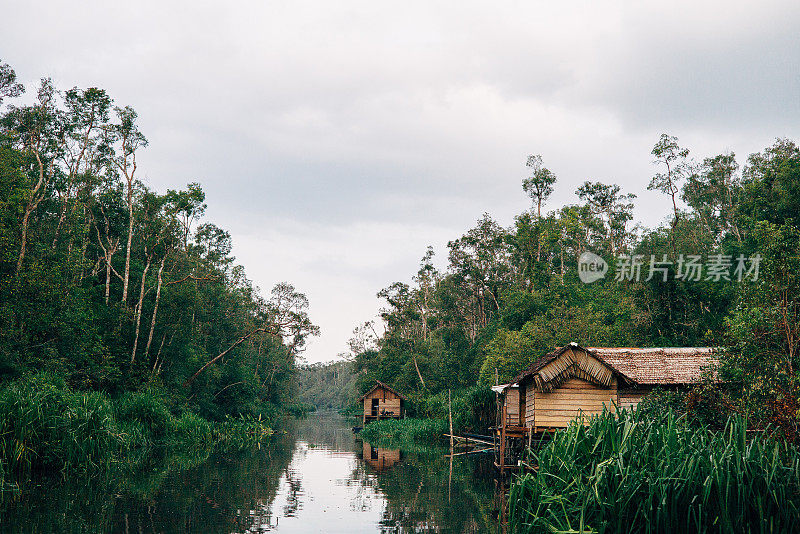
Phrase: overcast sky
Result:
[336,140]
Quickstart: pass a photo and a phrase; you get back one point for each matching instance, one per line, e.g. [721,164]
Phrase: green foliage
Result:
[397,432]
[473,408]
[147,410]
[327,386]
[634,473]
[46,425]
[473,411]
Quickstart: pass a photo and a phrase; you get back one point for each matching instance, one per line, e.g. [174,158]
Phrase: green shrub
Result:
[192,431]
[148,410]
[637,474]
[44,424]
[243,432]
[473,408]
[394,432]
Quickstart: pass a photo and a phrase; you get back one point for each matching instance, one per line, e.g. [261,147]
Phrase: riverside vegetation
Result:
[631,473]
[126,328]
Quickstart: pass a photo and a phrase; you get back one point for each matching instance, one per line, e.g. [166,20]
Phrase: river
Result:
[313,476]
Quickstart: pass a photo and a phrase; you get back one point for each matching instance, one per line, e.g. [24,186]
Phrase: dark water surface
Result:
[314,476]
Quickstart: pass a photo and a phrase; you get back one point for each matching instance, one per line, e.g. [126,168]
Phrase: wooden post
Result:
[450,477]
[450,413]
[502,443]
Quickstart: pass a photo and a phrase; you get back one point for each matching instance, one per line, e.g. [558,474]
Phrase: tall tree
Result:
[539,185]
[673,158]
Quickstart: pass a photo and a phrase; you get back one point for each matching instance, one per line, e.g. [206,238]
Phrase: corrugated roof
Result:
[501,388]
[659,365]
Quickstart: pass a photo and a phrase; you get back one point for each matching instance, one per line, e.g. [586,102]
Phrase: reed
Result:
[237,433]
[633,474]
[43,424]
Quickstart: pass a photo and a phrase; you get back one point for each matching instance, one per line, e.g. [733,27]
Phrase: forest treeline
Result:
[510,295]
[327,386]
[112,287]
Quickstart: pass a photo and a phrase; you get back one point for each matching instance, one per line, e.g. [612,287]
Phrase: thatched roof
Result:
[660,366]
[634,366]
[381,385]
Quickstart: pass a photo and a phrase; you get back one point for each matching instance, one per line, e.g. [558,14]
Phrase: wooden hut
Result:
[574,381]
[382,402]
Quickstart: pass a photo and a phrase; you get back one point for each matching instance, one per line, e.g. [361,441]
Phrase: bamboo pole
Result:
[470,452]
[481,441]
[450,414]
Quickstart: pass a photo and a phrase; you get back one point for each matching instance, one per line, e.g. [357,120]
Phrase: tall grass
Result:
[44,425]
[397,432]
[632,474]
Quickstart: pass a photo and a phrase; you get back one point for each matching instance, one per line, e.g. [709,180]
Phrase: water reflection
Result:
[379,458]
[315,477]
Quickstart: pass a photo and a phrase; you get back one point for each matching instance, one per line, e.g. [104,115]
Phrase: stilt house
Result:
[574,381]
[382,402]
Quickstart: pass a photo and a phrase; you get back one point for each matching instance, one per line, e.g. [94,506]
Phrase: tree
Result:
[614,209]
[9,87]
[126,134]
[712,192]
[539,185]
[669,154]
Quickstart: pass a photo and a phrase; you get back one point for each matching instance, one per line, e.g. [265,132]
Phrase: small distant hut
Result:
[382,402]
[574,381]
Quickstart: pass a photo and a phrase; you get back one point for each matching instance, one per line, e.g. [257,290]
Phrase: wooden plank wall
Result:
[567,402]
[629,398]
[385,457]
[530,404]
[512,406]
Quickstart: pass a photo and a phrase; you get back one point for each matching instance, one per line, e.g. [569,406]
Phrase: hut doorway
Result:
[375,407]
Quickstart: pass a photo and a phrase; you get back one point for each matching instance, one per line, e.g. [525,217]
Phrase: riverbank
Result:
[46,427]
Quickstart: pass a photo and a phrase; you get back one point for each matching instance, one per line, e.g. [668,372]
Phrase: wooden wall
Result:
[567,402]
[512,405]
[629,398]
[386,401]
[530,404]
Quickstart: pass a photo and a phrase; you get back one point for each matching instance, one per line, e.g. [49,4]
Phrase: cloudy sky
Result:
[336,140]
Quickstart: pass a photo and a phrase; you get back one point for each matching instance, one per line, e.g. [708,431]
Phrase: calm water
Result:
[314,477]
